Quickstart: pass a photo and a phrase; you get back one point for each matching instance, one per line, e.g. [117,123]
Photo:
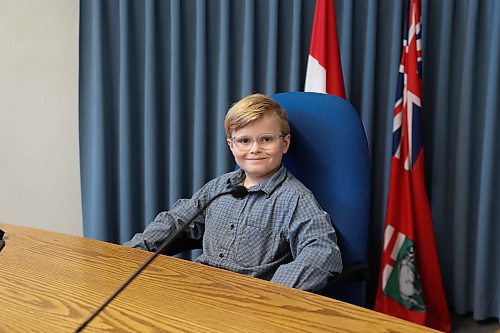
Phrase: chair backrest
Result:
[329,154]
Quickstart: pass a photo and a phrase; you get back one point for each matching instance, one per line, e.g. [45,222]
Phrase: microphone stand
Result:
[237,192]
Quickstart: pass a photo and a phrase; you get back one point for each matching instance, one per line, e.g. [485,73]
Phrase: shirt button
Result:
[231,227]
[221,255]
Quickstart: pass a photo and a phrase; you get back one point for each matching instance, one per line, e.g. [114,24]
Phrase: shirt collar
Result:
[267,186]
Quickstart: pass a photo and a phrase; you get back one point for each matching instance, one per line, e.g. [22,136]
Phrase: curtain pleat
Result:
[151,129]
[157,77]
[460,199]
[291,73]
[247,49]
[200,132]
[224,88]
[486,273]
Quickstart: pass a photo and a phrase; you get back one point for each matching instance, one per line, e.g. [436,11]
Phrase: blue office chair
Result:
[329,154]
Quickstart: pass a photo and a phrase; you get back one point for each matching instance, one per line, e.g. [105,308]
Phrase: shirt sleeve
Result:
[170,221]
[313,243]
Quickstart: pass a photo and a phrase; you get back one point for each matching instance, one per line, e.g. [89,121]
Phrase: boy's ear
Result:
[230,144]
[286,143]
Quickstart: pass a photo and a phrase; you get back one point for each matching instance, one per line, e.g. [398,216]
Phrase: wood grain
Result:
[51,282]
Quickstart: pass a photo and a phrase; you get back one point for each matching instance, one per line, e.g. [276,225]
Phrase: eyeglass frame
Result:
[233,138]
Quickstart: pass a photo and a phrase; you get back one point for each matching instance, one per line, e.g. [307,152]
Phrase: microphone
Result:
[238,192]
[2,242]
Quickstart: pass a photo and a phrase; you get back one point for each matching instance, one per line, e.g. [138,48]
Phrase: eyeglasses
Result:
[266,141]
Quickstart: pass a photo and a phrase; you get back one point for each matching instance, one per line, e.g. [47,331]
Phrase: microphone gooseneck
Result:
[238,192]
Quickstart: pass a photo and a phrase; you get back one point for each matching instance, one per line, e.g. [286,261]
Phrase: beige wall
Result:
[39,161]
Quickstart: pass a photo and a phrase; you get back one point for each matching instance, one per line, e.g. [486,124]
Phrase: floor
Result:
[466,324]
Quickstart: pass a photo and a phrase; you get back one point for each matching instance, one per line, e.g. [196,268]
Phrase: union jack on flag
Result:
[407,111]
[410,285]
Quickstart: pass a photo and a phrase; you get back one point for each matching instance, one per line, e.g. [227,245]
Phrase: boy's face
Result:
[258,163]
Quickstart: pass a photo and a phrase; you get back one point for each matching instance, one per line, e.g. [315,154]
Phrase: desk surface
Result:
[51,282]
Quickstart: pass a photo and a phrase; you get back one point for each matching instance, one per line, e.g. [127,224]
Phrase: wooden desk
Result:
[51,282]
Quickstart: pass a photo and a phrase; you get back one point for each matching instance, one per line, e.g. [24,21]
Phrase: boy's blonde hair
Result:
[251,108]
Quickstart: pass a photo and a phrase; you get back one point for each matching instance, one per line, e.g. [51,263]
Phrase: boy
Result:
[278,232]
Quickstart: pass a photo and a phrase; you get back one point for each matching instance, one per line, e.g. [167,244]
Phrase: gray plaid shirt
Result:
[278,232]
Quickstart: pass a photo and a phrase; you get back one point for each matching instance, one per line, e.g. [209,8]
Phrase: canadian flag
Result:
[324,69]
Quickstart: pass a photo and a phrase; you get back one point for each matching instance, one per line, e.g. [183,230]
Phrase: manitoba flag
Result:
[410,285]
[324,70]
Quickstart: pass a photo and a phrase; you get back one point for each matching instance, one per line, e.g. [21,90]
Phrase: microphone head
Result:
[239,191]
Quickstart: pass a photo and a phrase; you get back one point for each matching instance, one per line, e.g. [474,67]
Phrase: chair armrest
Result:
[349,285]
[354,273]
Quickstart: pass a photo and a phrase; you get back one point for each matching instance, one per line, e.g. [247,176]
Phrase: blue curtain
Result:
[157,77]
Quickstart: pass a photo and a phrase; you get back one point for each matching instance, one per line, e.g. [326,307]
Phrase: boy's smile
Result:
[258,163]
